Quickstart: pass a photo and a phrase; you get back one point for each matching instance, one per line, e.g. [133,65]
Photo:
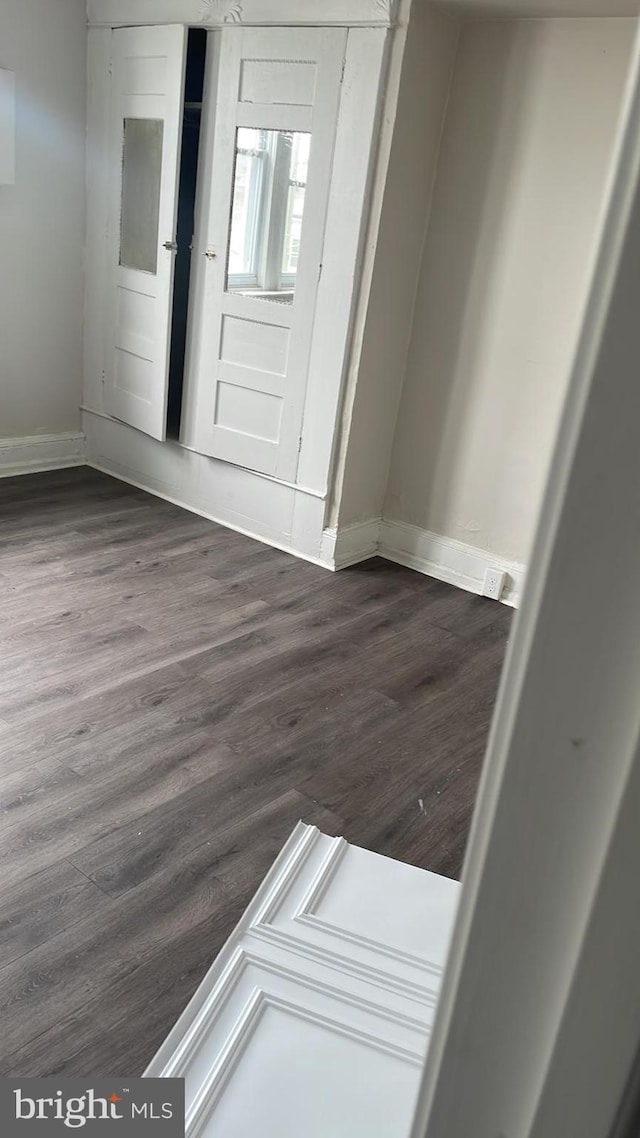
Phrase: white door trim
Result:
[538,1024]
[263,13]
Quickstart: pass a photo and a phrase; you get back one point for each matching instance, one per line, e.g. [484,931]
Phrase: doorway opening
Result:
[192,115]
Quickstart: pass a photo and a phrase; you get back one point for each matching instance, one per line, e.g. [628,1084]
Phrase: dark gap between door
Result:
[194,85]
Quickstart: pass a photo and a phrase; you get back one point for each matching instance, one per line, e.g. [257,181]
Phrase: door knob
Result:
[209,254]
[172,246]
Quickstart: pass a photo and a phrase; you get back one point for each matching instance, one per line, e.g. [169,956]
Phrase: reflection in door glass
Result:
[141,176]
[269,188]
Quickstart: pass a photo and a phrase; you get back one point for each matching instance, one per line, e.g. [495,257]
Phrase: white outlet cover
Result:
[494,583]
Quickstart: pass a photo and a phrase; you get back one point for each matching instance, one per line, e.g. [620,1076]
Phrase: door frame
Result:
[538,1027]
[234,13]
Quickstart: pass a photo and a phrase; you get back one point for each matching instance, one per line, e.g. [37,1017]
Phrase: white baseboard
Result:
[448,560]
[219,519]
[347,546]
[41,452]
[429,553]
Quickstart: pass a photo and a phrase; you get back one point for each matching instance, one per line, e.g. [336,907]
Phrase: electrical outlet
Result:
[494,582]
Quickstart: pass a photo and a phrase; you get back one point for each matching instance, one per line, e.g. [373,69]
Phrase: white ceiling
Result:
[528,8]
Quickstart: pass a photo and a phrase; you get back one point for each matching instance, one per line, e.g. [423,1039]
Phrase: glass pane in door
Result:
[269,188]
[140,209]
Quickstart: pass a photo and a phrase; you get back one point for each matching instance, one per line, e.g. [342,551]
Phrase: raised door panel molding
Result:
[363,913]
[256,1030]
[315,1017]
[261,13]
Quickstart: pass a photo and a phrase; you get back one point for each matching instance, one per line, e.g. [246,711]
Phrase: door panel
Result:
[147,97]
[275,107]
[315,1018]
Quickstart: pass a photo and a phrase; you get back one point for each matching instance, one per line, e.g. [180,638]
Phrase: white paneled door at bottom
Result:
[314,1020]
[148,67]
[274,112]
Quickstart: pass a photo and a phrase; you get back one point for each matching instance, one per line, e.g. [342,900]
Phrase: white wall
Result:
[519,191]
[42,219]
[382,334]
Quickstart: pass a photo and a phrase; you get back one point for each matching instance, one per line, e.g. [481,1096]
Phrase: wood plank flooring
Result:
[173,698]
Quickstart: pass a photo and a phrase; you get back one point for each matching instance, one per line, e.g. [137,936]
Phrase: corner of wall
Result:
[388,113]
[420,79]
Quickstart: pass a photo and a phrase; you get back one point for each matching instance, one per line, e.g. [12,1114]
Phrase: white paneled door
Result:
[314,1020]
[146,119]
[274,110]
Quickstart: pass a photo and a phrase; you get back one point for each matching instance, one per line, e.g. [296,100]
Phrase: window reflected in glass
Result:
[140,207]
[269,188]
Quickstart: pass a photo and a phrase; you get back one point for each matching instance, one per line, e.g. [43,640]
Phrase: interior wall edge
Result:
[388,112]
[383,328]
[454,19]
[34,453]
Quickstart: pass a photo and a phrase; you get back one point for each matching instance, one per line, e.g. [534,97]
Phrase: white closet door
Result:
[276,106]
[314,1020]
[147,99]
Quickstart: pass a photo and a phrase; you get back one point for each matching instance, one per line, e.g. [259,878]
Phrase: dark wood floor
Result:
[173,698]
